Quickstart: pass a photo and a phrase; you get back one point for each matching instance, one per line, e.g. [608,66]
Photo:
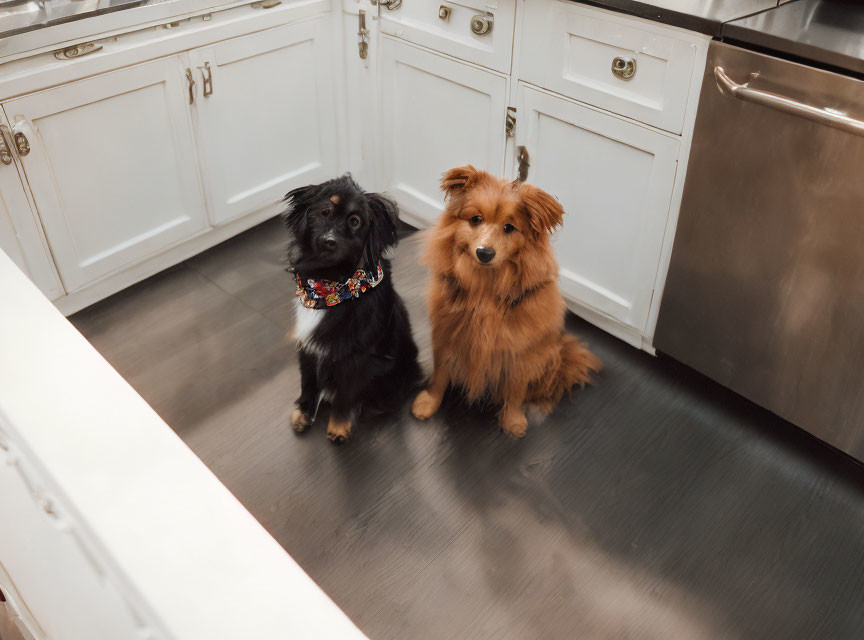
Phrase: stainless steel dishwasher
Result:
[765,292]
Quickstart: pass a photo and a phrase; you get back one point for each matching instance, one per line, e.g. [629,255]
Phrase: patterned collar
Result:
[320,294]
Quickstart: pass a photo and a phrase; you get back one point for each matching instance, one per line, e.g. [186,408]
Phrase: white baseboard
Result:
[621,331]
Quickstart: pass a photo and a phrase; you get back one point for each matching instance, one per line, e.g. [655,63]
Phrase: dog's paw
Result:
[514,425]
[425,405]
[339,430]
[299,421]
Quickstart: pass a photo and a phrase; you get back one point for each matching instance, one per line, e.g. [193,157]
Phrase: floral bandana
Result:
[320,294]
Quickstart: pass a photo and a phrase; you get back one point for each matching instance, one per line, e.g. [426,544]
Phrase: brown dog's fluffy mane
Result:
[499,329]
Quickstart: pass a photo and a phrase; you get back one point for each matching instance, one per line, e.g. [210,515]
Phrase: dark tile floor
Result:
[655,505]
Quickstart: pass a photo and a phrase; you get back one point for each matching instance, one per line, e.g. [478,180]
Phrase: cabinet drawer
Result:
[421,23]
[571,49]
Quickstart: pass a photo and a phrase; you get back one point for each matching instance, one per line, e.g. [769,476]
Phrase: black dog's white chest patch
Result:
[307,321]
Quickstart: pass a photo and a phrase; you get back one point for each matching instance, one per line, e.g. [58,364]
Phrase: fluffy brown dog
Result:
[497,314]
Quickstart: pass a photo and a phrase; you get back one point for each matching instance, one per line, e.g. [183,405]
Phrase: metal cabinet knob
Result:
[624,68]
[481,24]
[444,12]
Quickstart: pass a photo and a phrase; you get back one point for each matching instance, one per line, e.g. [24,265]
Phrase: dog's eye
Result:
[476,220]
[509,228]
[354,222]
[325,211]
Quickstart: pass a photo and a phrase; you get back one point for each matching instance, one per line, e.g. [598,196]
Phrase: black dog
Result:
[352,328]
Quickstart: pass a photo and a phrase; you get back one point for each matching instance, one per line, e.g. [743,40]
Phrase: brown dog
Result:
[496,312]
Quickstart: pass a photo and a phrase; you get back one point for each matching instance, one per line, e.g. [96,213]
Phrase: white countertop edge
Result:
[108,24]
[175,538]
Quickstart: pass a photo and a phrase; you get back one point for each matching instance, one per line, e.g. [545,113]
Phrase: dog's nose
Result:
[485,254]
[328,243]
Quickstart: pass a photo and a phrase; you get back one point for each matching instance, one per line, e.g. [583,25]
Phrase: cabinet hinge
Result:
[510,123]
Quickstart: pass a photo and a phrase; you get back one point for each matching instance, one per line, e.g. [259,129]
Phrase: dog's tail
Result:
[576,366]
[577,363]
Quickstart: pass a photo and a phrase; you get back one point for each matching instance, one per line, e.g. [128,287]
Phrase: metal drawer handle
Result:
[624,68]
[19,138]
[77,51]
[207,79]
[362,35]
[5,151]
[786,105]
[21,143]
[524,161]
[191,82]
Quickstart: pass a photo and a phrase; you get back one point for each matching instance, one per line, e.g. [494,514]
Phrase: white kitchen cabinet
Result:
[265,117]
[436,113]
[112,167]
[131,168]
[20,234]
[614,179]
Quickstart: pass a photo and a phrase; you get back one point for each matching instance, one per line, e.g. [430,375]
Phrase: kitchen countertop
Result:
[704,16]
[39,25]
[829,32]
[21,16]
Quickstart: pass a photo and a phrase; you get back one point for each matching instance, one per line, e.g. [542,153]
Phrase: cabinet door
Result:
[436,114]
[265,121]
[111,167]
[20,236]
[615,181]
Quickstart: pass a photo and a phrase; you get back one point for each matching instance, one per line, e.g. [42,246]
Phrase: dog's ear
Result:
[297,204]
[544,212]
[458,179]
[383,214]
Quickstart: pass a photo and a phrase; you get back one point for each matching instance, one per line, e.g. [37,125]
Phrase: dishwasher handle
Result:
[787,105]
